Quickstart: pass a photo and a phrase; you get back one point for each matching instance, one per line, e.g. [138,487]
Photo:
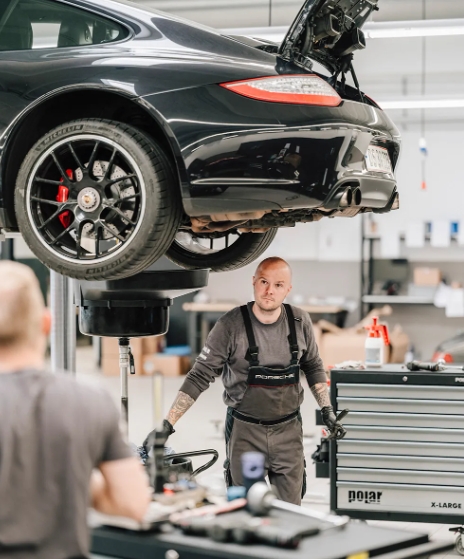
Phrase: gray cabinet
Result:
[403,456]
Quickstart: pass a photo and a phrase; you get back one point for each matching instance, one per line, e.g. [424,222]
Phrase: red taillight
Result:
[446,357]
[299,89]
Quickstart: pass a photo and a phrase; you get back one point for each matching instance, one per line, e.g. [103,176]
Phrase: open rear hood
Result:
[328,31]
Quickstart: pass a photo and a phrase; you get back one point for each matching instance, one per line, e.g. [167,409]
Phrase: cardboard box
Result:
[139,346]
[400,343]
[110,347]
[153,344]
[167,365]
[427,276]
[336,348]
[348,345]
[110,365]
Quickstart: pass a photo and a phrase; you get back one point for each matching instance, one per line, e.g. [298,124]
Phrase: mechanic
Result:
[260,349]
[53,432]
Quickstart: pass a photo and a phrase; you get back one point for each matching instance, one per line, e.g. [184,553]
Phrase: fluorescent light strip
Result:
[422,104]
[418,28]
[372,30]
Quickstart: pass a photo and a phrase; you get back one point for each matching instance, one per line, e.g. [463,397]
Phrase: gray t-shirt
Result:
[53,432]
[227,344]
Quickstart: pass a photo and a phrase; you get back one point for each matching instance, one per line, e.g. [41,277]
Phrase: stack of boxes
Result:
[348,344]
[148,357]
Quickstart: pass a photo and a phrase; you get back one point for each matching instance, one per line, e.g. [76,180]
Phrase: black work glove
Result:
[336,429]
[167,430]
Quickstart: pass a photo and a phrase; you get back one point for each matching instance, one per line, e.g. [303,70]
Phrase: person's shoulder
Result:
[79,389]
[301,316]
[231,317]
[299,312]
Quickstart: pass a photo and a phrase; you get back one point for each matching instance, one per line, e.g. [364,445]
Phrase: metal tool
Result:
[459,544]
[261,500]
[183,518]
[159,465]
[340,416]
[440,365]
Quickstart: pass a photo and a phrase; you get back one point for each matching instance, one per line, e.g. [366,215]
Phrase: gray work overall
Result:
[271,392]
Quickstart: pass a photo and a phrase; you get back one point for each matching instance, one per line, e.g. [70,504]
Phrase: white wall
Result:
[338,239]
[326,240]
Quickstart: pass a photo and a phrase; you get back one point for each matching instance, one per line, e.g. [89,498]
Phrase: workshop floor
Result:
[202,427]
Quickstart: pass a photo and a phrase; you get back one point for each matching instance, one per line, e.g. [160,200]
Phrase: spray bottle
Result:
[376,341]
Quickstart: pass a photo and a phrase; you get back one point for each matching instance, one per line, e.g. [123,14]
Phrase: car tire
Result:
[150,192]
[245,250]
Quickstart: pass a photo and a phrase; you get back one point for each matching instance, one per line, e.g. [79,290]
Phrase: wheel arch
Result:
[73,104]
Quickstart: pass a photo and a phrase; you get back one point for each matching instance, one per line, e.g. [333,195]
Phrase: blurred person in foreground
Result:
[61,449]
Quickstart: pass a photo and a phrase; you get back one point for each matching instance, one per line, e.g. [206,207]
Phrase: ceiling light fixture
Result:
[421,104]
[372,30]
[419,28]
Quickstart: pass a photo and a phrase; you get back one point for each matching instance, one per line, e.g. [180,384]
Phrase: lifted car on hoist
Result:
[127,134]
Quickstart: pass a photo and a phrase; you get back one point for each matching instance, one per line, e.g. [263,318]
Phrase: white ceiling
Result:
[255,13]
[394,10]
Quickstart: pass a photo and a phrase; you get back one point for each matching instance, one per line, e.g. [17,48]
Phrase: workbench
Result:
[201,315]
[355,541]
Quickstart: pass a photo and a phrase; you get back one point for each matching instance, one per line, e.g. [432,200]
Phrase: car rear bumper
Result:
[240,155]
[243,194]
[307,168]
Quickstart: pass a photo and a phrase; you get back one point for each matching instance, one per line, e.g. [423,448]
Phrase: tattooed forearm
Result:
[181,404]
[321,393]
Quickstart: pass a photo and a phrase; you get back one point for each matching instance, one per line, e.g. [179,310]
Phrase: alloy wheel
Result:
[85,198]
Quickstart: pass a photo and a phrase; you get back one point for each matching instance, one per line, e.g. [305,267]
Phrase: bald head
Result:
[272,282]
[21,306]
[273,263]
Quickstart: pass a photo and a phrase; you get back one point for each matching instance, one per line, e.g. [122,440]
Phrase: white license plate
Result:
[377,159]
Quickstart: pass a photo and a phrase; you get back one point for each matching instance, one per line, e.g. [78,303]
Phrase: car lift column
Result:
[124,369]
[63,334]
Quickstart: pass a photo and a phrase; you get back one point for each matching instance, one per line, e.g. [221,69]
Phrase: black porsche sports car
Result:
[127,134]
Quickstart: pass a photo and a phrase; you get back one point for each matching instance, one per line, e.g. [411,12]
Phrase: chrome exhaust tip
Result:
[357,197]
[346,199]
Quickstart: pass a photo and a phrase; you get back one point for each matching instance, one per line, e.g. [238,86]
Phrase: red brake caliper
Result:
[62,196]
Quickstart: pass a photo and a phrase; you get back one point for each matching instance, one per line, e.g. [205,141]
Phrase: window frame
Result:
[86,9]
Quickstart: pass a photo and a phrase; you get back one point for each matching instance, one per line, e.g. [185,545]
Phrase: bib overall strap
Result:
[253,350]
[292,337]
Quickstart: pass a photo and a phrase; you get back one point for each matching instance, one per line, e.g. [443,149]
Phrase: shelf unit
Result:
[367,299]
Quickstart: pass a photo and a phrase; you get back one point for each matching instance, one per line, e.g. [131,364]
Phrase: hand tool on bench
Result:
[440,365]
[261,500]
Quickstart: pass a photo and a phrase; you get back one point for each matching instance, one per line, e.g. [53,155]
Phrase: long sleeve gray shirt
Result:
[227,344]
